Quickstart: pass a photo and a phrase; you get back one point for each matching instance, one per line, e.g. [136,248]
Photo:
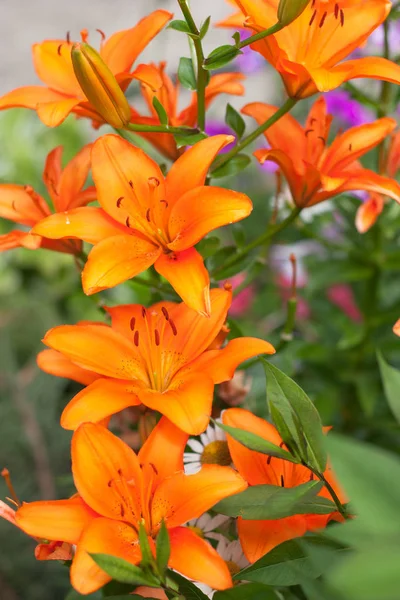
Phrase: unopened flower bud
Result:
[289,10]
[100,86]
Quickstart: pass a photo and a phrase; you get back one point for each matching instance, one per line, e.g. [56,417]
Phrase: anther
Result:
[336,11]
[68,37]
[157,337]
[269,460]
[154,468]
[341,17]
[103,35]
[308,131]
[5,473]
[132,323]
[13,205]
[313,120]
[127,222]
[59,49]
[312,18]
[153,181]
[322,21]
[281,444]
[173,326]
[110,483]
[350,147]
[143,312]
[165,202]
[136,338]
[282,481]
[119,201]
[120,472]
[228,286]
[148,215]
[165,313]
[130,183]
[122,510]
[84,35]
[311,476]
[323,140]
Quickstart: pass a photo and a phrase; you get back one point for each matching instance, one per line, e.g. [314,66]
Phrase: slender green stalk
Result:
[260,240]
[332,492]
[290,102]
[260,36]
[161,129]
[202,74]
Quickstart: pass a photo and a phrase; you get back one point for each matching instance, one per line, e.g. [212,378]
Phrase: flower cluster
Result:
[184,504]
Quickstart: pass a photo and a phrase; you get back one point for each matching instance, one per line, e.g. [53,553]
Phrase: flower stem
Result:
[339,505]
[202,74]
[260,240]
[161,129]
[261,35]
[290,102]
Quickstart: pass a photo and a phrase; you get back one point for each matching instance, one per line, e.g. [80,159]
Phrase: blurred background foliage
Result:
[348,301]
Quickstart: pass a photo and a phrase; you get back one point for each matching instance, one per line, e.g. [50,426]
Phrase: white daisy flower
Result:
[206,525]
[211,449]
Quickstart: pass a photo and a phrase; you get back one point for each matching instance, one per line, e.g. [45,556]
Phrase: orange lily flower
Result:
[396,328]
[308,53]
[315,171]
[369,211]
[168,95]
[259,537]
[145,219]
[118,490]
[62,93]
[23,205]
[159,357]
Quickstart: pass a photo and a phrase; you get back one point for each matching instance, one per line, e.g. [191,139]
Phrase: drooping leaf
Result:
[188,139]
[257,443]
[179,25]
[188,589]
[204,27]
[235,120]
[160,110]
[249,591]
[186,74]
[232,167]
[391,385]
[275,502]
[163,548]
[122,570]
[220,57]
[289,562]
[299,415]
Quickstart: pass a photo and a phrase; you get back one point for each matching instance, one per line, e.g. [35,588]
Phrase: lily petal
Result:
[73,178]
[190,170]
[55,363]
[187,274]
[221,365]
[53,114]
[165,440]
[187,402]
[111,464]
[259,537]
[146,74]
[29,97]
[117,259]
[86,223]
[183,497]
[17,205]
[295,179]
[195,558]
[252,466]
[53,65]
[202,210]
[18,239]
[122,174]
[122,49]
[97,401]
[98,349]
[368,212]
[58,520]
[102,536]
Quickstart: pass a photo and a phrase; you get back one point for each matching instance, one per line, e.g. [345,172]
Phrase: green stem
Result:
[290,102]
[260,240]
[161,129]
[202,74]
[260,36]
[332,492]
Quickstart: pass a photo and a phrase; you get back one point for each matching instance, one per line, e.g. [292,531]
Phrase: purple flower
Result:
[249,62]
[214,127]
[348,112]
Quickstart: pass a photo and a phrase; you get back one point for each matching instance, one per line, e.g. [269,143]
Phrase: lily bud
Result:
[100,86]
[289,10]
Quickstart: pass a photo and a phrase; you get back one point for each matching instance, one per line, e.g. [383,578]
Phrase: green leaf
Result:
[147,555]
[208,246]
[204,27]
[371,574]
[220,57]
[299,415]
[235,120]
[249,591]
[188,139]
[186,74]
[163,548]
[73,595]
[391,385]
[179,25]
[236,37]
[289,563]
[160,110]
[276,502]
[123,571]
[257,443]
[371,479]
[188,589]
[232,167]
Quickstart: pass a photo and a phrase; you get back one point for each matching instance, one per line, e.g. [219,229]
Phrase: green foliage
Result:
[220,57]
[232,167]
[186,74]
[235,120]
[123,571]
[391,385]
